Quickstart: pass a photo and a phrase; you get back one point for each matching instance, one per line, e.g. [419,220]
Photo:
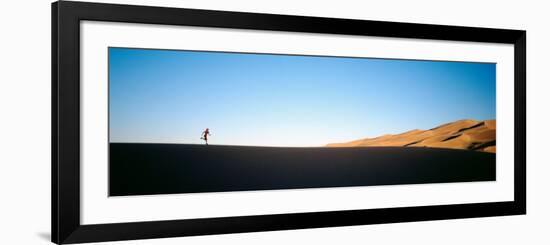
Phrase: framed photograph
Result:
[174,122]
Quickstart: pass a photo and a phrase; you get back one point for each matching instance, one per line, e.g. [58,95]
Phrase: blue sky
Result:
[166,96]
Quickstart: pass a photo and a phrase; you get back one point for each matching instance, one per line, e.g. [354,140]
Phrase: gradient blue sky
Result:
[164,96]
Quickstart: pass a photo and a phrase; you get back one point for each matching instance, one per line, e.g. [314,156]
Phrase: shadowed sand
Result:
[142,169]
[463,134]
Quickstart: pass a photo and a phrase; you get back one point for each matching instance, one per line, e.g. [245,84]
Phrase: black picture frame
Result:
[66,225]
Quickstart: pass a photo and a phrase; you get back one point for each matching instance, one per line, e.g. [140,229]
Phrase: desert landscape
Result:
[460,151]
[463,134]
[191,121]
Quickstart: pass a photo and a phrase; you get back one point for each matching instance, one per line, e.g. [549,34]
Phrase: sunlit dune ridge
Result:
[463,134]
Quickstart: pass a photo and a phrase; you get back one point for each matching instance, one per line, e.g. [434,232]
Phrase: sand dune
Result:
[147,169]
[462,134]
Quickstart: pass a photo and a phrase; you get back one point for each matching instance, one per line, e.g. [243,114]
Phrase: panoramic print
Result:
[206,121]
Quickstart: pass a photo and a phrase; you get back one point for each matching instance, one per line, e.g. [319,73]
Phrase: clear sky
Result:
[164,96]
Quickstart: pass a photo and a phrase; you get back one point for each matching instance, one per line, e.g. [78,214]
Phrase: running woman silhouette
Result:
[204,135]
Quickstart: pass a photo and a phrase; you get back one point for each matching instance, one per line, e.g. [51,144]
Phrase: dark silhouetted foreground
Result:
[142,169]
